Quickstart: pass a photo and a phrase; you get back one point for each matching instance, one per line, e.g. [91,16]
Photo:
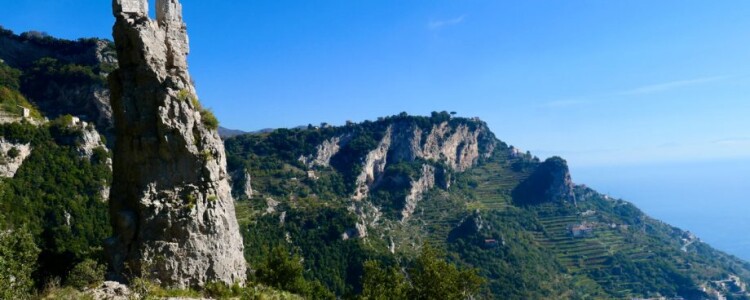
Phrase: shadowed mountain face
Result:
[63,77]
[550,181]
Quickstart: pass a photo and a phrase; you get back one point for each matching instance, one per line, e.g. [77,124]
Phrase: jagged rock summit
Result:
[171,206]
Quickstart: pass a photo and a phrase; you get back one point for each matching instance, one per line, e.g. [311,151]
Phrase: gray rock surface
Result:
[373,168]
[561,187]
[425,182]
[171,205]
[459,147]
[325,152]
[9,164]
[111,290]
[248,190]
[88,141]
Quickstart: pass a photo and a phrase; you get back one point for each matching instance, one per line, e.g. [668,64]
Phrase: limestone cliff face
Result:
[455,146]
[425,182]
[12,156]
[171,205]
[88,141]
[373,168]
[325,152]
[458,146]
[561,186]
[549,182]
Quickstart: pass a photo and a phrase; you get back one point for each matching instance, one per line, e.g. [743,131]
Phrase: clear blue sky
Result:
[598,82]
[648,100]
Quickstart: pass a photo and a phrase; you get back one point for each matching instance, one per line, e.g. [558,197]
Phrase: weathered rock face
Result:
[425,182]
[171,205]
[374,166]
[248,190]
[12,156]
[459,147]
[88,141]
[325,152]
[550,181]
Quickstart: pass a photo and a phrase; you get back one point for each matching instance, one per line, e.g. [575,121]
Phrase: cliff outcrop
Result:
[455,147]
[12,156]
[171,206]
[549,182]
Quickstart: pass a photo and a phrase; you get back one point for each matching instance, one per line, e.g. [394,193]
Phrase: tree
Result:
[430,278]
[379,283]
[87,273]
[18,255]
[283,270]
[433,278]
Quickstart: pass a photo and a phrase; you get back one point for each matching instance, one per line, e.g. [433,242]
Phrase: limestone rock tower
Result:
[171,207]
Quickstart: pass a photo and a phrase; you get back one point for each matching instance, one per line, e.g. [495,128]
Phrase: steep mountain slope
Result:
[381,190]
[61,76]
[54,182]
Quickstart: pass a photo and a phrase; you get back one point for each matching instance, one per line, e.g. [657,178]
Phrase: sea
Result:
[710,199]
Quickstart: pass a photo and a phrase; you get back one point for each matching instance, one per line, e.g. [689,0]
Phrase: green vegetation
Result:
[209,119]
[55,195]
[86,274]
[207,116]
[433,278]
[185,95]
[383,283]
[496,217]
[10,96]
[48,80]
[430,277]
[18,255]
[283,270]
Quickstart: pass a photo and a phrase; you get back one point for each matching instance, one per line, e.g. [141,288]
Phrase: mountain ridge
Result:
[561,224]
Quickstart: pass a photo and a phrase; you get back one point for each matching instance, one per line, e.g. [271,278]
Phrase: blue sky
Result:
[598,82]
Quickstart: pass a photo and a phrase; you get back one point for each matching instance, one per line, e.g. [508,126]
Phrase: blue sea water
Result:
[710,199]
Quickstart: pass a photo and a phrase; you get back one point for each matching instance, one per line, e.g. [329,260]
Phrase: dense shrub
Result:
[86,273]
[209,119]
[18,255]
[429,278]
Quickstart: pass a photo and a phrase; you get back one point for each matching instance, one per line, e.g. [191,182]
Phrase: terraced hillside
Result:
[520,222]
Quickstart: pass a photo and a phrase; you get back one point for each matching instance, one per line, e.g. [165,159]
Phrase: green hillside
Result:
[496,217]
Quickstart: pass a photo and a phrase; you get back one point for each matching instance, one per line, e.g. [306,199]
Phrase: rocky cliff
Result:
[171,207]
[550,182]
[455,147]
[12,156]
